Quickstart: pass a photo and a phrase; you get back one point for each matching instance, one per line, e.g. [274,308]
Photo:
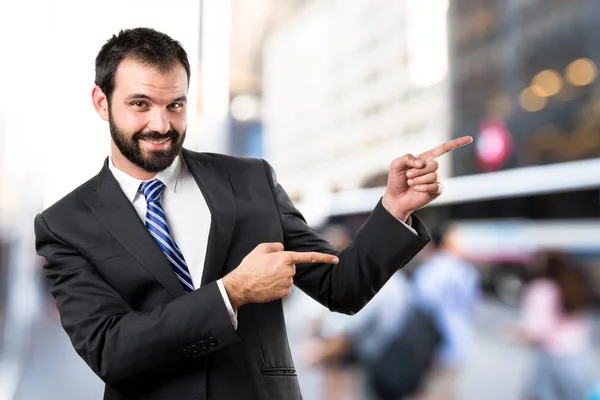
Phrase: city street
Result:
[476,124]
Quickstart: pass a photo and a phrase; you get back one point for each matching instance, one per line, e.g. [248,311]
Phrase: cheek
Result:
[179,122]
[130,122]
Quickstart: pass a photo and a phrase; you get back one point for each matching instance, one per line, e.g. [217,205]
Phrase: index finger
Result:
[312,257]
[446,148]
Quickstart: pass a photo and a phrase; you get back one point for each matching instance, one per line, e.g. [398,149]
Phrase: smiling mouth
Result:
[153,141]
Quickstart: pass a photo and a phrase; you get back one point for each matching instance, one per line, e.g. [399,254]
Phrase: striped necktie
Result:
[156,223]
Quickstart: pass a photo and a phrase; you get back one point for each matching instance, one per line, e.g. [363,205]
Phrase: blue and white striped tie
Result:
[156,222]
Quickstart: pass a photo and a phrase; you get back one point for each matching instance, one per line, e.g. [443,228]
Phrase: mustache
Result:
[156,135]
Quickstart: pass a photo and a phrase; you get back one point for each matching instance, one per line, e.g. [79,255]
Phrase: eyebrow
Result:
[137,96]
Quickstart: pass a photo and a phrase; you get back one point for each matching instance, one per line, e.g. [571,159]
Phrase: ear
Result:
[100,102]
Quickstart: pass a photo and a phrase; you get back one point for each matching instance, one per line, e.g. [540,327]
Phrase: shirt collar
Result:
[130,185]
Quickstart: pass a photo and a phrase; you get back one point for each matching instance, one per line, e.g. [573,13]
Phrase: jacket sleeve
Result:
[116,341]
[380,248]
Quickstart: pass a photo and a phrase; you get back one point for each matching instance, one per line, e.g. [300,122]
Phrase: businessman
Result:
[169,266]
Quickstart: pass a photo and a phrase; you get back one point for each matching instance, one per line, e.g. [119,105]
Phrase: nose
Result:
[159,122]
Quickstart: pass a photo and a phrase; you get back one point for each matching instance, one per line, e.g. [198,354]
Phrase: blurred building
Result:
[348,87]
[249,24]
[524,84]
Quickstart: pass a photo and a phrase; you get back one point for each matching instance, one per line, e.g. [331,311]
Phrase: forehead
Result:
[135,77]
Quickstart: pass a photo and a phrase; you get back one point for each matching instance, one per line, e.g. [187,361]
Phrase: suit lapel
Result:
[115,211]
[213,180]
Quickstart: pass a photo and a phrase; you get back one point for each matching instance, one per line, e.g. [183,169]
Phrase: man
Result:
[169,266]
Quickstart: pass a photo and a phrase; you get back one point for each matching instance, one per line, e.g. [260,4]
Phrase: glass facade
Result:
[529,68]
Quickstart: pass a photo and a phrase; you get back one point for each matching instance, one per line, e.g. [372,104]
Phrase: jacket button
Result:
[203,345]
[195,349]
[213,342]
[186,353]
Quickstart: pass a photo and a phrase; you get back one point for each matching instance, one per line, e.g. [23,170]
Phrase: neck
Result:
[127,166]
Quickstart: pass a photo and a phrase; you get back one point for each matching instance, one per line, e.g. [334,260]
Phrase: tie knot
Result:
[152,190]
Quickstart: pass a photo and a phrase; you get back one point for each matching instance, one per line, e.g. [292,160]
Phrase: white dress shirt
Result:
[188,216]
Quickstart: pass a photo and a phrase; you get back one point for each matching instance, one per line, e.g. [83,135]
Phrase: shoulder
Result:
[241,167]
[75,199]
[224,159]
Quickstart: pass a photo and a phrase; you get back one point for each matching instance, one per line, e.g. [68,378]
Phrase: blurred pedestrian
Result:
[556,321]
[358,342]
[449,287]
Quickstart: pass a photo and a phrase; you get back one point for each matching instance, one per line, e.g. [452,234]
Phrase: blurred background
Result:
[329,92]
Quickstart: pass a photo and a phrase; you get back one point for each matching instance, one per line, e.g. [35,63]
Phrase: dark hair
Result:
[145,45]
[559,267]
[437,234]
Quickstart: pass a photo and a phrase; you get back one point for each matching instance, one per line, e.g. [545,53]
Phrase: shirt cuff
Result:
[408,224]
[232,314]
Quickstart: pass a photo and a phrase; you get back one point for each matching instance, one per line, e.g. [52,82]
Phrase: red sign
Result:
[493,145]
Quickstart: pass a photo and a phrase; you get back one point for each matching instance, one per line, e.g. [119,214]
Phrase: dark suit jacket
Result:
[129,318]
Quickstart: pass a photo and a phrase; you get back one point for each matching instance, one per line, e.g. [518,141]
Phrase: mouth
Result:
[156,144]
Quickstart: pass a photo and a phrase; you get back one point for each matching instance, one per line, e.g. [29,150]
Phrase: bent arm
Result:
[380,248]
[116,341]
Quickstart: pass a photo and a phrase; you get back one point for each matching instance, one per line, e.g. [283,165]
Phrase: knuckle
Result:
[262,246]
[401,161]
[287,259]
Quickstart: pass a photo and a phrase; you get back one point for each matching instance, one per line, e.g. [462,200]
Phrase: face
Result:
[147,116]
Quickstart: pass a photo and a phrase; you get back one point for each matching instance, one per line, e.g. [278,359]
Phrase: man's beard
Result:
[154,160]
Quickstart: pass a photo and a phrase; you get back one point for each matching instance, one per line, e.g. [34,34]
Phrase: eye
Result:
[139,104]
[176,106]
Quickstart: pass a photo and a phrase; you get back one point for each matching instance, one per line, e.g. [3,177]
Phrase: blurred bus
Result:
[501,248]
[502,219]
